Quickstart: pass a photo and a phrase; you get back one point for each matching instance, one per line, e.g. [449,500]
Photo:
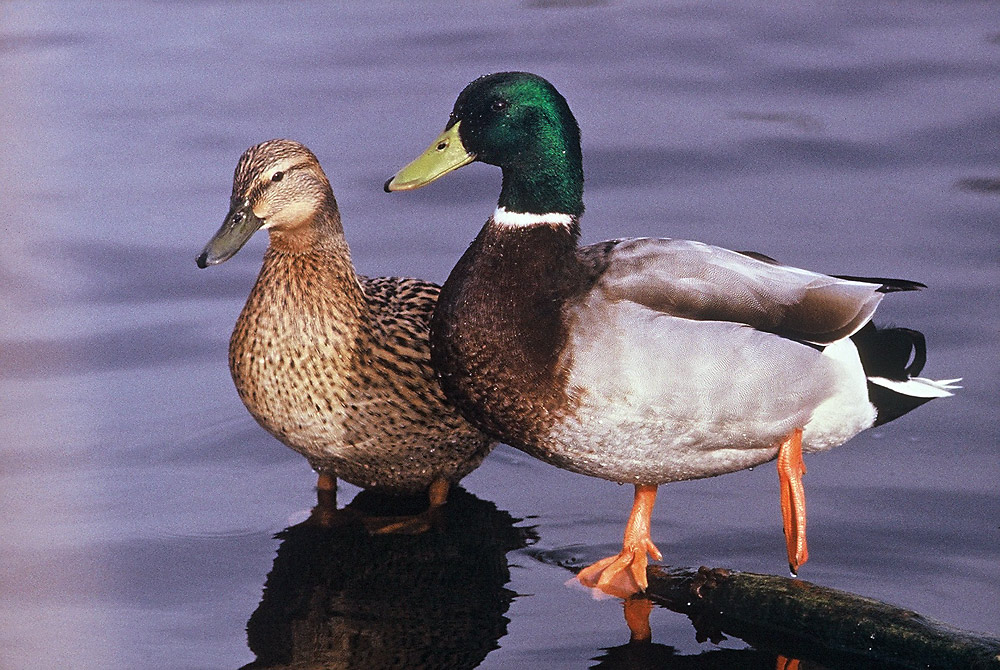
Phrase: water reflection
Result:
[340,596]
[769,648]
[641,652]
[638,655]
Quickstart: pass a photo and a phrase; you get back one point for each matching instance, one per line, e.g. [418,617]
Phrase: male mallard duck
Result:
[645,360]
[335,365]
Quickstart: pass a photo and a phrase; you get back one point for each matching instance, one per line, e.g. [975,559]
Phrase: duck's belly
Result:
[643,453]
[655,399]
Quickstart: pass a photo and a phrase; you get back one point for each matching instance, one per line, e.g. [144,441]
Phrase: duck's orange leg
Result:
[793,499]
[325,511]
[625,574]
[326,488]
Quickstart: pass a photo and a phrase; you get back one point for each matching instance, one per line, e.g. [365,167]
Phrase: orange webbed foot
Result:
[621,575]
[784,663]
[624,574]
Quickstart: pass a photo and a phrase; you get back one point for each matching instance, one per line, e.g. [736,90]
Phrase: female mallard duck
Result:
[334,365]
[646,360]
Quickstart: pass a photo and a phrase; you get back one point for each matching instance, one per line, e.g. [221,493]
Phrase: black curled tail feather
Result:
[919,351]
[891,353]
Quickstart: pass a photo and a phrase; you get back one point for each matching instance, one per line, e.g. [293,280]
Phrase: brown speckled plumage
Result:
[335,365]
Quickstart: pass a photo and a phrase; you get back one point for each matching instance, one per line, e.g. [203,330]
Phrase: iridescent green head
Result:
[519,122]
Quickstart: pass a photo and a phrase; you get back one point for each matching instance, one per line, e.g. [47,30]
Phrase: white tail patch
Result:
[846,410]
[522,219]
[919,387]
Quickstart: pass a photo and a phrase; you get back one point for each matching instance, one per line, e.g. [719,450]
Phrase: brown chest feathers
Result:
[337,367]
[498,335]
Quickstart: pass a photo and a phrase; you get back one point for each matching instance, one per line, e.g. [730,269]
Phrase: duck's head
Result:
[519,122]
[278,185]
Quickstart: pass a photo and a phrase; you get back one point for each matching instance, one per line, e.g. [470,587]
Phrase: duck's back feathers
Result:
[706,283]
[886,284]
[401,306]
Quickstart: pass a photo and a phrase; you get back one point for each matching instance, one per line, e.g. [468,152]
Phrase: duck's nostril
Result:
[442,146]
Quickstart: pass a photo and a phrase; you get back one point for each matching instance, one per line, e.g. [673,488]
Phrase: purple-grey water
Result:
[139,502]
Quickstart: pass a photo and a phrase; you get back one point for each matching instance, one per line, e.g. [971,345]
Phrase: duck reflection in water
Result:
[641,653]
[651,656]
[340,596]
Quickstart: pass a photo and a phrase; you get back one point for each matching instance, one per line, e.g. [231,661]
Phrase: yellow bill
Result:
[445,154]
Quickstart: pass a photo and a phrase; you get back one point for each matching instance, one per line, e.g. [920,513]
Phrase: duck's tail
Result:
[892,358]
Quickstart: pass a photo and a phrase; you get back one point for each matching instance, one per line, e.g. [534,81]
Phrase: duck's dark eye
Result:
[278,176]
[498,105]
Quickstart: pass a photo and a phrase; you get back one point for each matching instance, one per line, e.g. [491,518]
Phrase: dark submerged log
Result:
[798,619]
[789,620]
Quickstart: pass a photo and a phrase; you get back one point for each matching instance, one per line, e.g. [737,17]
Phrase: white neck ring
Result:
[524,219]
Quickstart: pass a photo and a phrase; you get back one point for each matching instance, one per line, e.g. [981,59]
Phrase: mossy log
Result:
[797,619]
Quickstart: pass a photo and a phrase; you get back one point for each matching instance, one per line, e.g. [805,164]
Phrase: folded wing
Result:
[706,283]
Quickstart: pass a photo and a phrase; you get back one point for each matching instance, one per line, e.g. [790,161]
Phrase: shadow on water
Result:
[340,596]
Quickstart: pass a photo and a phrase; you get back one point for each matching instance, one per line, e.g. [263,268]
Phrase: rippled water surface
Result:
[140,502]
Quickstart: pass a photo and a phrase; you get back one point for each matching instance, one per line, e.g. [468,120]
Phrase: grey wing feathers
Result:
[698,281]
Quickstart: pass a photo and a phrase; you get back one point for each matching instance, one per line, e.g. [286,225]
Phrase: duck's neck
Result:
[546,181]
[320,229]
[310,267]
